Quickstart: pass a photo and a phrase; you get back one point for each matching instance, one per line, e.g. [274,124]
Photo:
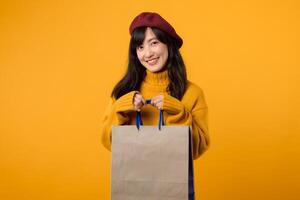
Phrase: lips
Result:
[152,61]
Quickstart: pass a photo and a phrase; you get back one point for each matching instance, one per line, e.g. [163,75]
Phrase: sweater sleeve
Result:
[116,113]
[201,139]
[178,114]
[196,116]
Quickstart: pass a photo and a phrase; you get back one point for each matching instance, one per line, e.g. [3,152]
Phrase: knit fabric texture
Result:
[191,110]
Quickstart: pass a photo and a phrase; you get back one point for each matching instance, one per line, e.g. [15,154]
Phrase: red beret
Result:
[151,19]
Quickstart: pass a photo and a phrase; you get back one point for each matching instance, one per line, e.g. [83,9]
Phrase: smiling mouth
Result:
[152,60]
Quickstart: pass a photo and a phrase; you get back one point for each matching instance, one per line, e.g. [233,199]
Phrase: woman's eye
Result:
[140,47]
[155,42]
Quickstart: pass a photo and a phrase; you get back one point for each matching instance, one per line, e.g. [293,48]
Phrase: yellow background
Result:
[59,61]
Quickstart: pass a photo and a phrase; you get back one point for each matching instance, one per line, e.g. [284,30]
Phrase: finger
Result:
[137,108]
[157,101]
[159,105]
[138,98]
[153,101]
[138,103]
[138,95]
[144,100]
[160,97]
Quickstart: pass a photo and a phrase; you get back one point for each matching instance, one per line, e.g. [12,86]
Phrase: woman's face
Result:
[152,54]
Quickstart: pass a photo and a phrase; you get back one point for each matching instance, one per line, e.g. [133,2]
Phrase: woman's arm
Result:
[116,114]
[201,139]
[179,114]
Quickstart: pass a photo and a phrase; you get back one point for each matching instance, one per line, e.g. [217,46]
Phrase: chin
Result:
[155,69]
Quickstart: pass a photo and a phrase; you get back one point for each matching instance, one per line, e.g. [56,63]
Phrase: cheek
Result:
[139,56]
[165,54]
[163,50]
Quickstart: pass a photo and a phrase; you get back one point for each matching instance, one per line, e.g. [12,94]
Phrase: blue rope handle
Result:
[138,119]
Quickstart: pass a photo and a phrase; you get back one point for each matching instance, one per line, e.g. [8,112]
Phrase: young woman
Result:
[156,72]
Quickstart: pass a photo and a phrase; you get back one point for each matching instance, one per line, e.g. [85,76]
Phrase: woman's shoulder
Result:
[193,90]
[193,96]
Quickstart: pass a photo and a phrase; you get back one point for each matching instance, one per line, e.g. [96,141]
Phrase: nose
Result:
[148,52]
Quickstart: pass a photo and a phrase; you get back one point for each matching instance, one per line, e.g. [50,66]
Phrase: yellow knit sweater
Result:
[191,110]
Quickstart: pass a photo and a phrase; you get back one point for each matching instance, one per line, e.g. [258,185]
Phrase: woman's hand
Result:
[158,101]
[138,101]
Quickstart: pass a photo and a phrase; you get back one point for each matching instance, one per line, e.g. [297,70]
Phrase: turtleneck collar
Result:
[157,78]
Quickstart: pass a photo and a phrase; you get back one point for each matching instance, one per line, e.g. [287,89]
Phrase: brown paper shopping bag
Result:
[151,162]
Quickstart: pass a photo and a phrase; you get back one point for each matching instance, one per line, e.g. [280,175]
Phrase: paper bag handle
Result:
[139,122]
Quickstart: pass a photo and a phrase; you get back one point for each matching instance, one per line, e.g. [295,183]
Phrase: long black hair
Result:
[136,72]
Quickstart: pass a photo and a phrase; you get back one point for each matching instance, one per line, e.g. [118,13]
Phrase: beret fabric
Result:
[152,19]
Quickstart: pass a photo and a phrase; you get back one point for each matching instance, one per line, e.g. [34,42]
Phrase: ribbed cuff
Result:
[172,105]
[125,102]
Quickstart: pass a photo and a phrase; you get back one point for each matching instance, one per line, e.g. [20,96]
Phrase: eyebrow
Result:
[154,38]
